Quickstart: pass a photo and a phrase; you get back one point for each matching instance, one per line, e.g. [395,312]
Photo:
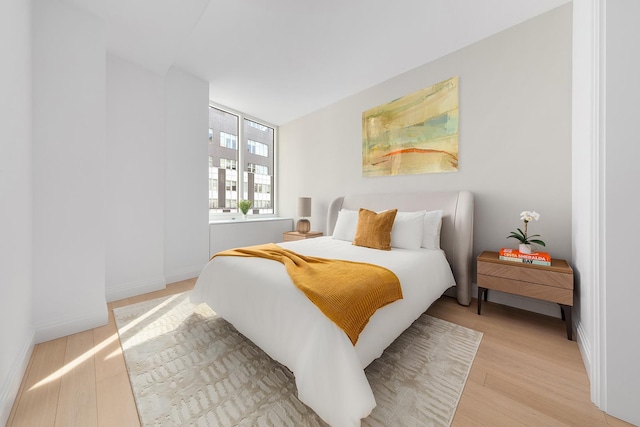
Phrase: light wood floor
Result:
[526,373]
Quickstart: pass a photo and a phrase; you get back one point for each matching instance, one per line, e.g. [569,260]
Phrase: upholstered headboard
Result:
[457,224]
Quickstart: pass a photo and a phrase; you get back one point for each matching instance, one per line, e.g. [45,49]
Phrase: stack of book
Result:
[537,258]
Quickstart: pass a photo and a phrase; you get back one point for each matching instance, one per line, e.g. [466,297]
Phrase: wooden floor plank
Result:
[77,405]
[554,405]
[526,373]
[535,364]
[38,403]
[21,390]
[615,422]
[524,361]
[109,360]
[116,405]
[509,408]
[474,411]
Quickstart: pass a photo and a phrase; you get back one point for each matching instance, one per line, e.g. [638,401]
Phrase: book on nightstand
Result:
[536,258]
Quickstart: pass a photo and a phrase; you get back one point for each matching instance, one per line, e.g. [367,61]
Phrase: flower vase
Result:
[524,248]
[244,216]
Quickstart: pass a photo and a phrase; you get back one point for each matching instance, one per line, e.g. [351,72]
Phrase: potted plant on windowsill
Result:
[522,236]
[244,206]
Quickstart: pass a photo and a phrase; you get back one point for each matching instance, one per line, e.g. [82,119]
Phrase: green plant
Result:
[522,236]
[244,206]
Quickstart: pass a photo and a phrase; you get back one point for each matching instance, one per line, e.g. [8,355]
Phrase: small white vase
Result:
[244,216]
[524,249]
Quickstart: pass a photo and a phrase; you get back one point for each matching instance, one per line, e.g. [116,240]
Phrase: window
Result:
[213,187]
[228,164]
[228,141]
[258,148]
[235,140]
[261,169]
[262,188]
[257,126]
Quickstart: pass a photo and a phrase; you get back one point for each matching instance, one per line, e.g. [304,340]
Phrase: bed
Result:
[258,297]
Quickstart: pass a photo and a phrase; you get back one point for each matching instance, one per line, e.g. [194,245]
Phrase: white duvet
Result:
[257,296]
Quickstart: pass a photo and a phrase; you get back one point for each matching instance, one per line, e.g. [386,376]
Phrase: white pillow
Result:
[346,225]
[431,232]
[407,231]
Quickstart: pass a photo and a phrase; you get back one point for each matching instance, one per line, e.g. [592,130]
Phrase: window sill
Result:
[239,219]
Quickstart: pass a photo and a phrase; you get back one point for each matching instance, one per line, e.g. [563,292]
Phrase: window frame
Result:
[242,165]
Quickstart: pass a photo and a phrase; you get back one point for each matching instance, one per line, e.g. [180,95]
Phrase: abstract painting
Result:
[415,134]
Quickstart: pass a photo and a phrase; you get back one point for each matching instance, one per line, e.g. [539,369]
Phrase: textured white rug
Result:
[188,366]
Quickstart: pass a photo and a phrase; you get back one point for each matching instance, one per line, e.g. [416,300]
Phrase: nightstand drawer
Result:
[527,289]
[528,274]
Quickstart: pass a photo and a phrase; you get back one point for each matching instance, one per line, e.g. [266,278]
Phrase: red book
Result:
[534,256]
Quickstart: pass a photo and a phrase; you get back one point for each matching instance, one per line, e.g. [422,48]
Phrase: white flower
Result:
[527,216]
[522,236]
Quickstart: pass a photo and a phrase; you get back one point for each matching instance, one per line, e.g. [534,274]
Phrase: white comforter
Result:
[257,296]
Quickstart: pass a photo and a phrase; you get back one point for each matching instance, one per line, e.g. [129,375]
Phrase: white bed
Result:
[257,296]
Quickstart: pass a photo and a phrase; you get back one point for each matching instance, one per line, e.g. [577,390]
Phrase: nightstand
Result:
[549,283]
[290,236]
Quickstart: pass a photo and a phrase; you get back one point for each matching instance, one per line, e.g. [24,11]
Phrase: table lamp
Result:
[304,210]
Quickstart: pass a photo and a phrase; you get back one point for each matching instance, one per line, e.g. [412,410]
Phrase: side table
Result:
[289,236]
[549,283]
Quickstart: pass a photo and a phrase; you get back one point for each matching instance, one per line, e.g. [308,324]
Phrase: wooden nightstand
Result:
[549,283]
[289,236]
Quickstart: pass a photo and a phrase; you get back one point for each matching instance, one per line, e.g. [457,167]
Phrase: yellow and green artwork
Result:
[415,134]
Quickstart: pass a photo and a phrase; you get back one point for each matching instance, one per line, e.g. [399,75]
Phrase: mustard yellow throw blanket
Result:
[346,292]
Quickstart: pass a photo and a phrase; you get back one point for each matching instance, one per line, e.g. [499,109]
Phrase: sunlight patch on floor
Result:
[99,347]
[74,363]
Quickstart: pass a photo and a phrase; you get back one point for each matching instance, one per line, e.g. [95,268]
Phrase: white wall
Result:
[83,185]
[157,164]
[68,170]
[515,139]
[186,191]
[16,332]
[585,192]
[621,184]
[237,233]
[135,179]
[604,168]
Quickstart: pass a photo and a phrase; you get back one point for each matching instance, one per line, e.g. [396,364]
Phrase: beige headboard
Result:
[457,224]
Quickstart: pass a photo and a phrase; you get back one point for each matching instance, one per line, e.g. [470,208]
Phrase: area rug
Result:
[188,366]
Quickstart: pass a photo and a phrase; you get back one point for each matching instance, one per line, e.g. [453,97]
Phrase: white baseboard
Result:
[585,348]
[126,290]
[93,318]
[179,274]
[11,385]
[131,289]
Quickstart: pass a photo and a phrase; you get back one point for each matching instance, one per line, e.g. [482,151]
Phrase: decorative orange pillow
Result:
[374,229]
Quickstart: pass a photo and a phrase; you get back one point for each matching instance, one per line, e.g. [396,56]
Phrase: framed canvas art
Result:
[415,134]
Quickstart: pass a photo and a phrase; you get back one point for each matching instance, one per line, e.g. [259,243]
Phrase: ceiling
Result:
[282,59]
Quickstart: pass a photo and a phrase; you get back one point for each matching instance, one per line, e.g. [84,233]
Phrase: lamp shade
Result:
[304,206]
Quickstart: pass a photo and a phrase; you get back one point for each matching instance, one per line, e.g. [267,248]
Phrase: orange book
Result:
[534,256]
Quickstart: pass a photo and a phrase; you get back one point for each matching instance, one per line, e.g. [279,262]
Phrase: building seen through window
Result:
[258,169]
[235,141]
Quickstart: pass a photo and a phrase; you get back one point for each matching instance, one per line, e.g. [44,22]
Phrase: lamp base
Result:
[303,226]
